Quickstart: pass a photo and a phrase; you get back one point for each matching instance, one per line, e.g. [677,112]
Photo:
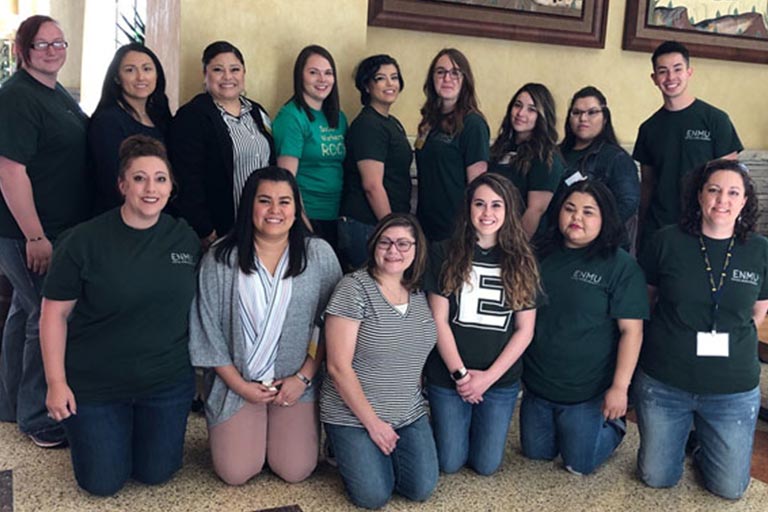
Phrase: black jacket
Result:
[200,150]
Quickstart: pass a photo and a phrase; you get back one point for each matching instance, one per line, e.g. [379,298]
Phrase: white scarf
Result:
[264,302]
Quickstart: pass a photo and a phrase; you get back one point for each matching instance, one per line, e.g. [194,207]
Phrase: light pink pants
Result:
[287,437]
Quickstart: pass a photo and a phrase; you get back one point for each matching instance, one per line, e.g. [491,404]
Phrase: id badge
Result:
[712,344]
[573,178]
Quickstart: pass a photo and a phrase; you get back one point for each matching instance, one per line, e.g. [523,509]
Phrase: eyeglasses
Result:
[401,244]
[453,74]
[590,113]
[44,45]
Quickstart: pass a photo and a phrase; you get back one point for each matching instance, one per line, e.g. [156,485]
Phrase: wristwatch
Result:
[459,374]
[303,378]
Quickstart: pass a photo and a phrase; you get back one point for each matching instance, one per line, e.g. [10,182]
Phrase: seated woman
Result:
[525,151]
[578,368]
[591,150]
[379,331]
[114,331]
[216,141]
[377,176]
[309,137]
[483,302]
[133,101]
[254,326]
[707,280]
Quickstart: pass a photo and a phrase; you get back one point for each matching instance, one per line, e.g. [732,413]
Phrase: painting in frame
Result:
[735,30]
[567,22]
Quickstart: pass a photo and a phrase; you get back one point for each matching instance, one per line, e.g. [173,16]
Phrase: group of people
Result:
[516,273]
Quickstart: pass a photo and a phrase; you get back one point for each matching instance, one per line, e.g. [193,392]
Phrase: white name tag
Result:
[712,344]
[573,178]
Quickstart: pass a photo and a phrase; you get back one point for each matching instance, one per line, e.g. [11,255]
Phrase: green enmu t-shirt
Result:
[673,144]
[128,333]
[373,136]
[539,178]
[442,165]
[480,318]
[674,264]
[573,354]
[44,129]
[320,150]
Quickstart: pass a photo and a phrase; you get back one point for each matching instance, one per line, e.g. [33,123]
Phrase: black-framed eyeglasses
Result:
[592,112]
[44,45]
[453,73]
[401,244]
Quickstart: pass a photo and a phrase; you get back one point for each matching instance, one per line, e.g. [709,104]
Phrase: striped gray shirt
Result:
[389,355]
[250,148]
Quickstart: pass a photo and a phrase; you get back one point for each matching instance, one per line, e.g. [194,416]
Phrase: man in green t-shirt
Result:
[685,133]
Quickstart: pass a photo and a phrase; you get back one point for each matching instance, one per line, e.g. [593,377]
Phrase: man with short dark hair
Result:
[685,133]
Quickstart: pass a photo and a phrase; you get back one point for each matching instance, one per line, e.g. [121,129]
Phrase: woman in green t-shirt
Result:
[114,330]
[578,368]
[309,138]
[377,179]
[707,280]
[525,151]
[452,143]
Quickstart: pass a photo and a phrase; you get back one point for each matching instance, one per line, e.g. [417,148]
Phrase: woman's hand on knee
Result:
[615,403]
[383,435]
[60,401]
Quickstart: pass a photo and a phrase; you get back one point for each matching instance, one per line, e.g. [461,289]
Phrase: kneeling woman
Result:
[588,335]
[484,306]
[708,284]
[379,331]
[254,323]
[116,307]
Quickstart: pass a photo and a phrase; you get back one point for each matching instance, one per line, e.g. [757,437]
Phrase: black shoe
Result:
[49,439]
[763,414]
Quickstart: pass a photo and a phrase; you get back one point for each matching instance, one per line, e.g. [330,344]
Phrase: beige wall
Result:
[271,32]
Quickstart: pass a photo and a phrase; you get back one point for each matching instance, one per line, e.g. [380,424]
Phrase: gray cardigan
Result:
[216,331]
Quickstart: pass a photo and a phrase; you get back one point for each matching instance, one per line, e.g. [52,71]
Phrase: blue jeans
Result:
[578,432]
[22,379]
[353,241]
[725,428]
[473,435]
[370,477]
[142,438]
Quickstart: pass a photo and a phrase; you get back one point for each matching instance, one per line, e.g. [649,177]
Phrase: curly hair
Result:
[542,144]
[690,221]
[519,270]
[431,113]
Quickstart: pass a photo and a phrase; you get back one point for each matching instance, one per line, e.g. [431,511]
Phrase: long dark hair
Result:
[519,271]
[607,134]
[431,113]
[542,144]
[412,276]
[331,106]
[690,221]
[612,233]
[241,236]
[112,90]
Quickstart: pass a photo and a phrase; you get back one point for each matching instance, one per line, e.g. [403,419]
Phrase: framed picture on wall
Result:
[568,22]
[729,30]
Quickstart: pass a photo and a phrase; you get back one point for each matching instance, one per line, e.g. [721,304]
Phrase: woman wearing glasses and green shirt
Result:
[452,143]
